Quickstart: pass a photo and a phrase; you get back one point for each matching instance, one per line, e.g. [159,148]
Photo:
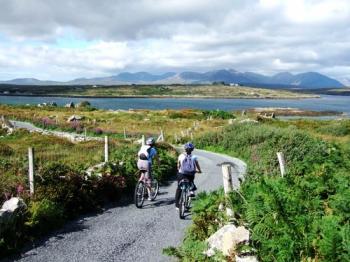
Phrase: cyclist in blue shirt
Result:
[146,155]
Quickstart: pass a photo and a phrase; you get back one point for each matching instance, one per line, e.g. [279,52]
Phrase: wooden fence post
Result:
[227,178]
[106,149]
[31,169]
[282,163]
[162,135]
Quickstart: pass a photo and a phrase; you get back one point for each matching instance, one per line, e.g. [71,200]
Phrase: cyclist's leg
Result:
[143,165]
[193,186]
[178,190]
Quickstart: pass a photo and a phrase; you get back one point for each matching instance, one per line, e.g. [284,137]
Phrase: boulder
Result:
[13,205]
[230,239]
[75,118]
[11,213]
[246,259]
[226,239]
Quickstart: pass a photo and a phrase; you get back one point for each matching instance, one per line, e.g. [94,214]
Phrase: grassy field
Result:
[200,91]
[135,122]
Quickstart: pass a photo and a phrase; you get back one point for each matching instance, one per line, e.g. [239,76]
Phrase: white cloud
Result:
[66,39]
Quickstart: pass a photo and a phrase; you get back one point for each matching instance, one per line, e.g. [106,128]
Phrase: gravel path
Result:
[70,136]
[126,233]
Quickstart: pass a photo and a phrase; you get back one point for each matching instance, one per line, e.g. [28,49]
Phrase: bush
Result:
[83,104]
[98,131]
[218,114]
[341,128]
[5,150]
[3,132]
[44,215]
[303,216]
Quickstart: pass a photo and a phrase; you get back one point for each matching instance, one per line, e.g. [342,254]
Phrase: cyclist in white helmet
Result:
[146,155]
[187,165]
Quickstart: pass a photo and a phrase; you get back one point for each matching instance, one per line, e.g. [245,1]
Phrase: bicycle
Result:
[185,198]
[141,191]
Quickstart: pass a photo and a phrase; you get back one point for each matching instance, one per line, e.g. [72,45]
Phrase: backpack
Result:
[144,152]
[188,165]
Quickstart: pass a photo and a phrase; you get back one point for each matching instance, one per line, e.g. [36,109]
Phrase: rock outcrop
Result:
[226,240]
[11,214]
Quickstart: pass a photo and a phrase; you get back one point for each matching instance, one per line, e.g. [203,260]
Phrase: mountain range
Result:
[286,80]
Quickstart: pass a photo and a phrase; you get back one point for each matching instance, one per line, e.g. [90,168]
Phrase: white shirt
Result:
[182,156]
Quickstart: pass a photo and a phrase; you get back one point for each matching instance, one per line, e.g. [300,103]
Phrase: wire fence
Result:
[16,169]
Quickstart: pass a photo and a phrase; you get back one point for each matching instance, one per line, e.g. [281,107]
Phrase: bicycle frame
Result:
[185,199]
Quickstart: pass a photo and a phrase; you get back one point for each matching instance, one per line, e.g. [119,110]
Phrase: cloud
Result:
[66,39]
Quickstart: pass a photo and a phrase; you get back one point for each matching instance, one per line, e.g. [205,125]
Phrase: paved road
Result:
[127,233]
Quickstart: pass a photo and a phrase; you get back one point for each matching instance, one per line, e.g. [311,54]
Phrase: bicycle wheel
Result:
[182,204]
[139,195]
[188,201]
[154,189]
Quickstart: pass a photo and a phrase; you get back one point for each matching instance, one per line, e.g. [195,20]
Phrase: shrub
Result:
[218,114]
[44,215]
[5,150]
[341,128]
[83,104]
[65,185]
[98,131]
[303,216]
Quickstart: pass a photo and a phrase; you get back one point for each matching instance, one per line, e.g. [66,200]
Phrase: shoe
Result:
[192,194]
[177,209]
[149,199]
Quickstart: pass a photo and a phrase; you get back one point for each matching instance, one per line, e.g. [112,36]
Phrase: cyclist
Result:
[187,165]
[146,155]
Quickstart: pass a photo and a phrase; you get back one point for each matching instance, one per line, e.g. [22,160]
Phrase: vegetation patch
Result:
[63,189]
[303,216]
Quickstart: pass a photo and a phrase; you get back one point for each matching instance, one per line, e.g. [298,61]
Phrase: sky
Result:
[67,39]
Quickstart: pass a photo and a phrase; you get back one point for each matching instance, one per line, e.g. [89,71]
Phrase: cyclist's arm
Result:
[178,164]
[198,167]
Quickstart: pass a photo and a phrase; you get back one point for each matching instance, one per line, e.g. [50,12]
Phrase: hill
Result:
[310,80]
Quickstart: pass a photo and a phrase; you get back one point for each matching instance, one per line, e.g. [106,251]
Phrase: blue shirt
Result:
[152,153]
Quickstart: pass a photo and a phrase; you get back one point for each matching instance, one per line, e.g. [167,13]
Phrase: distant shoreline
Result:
[167,96]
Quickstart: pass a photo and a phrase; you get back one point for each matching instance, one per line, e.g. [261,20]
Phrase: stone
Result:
[246,259]
[232,238]
[248,121]
[226,239]
[13,204]
[11,212]
[75,118]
